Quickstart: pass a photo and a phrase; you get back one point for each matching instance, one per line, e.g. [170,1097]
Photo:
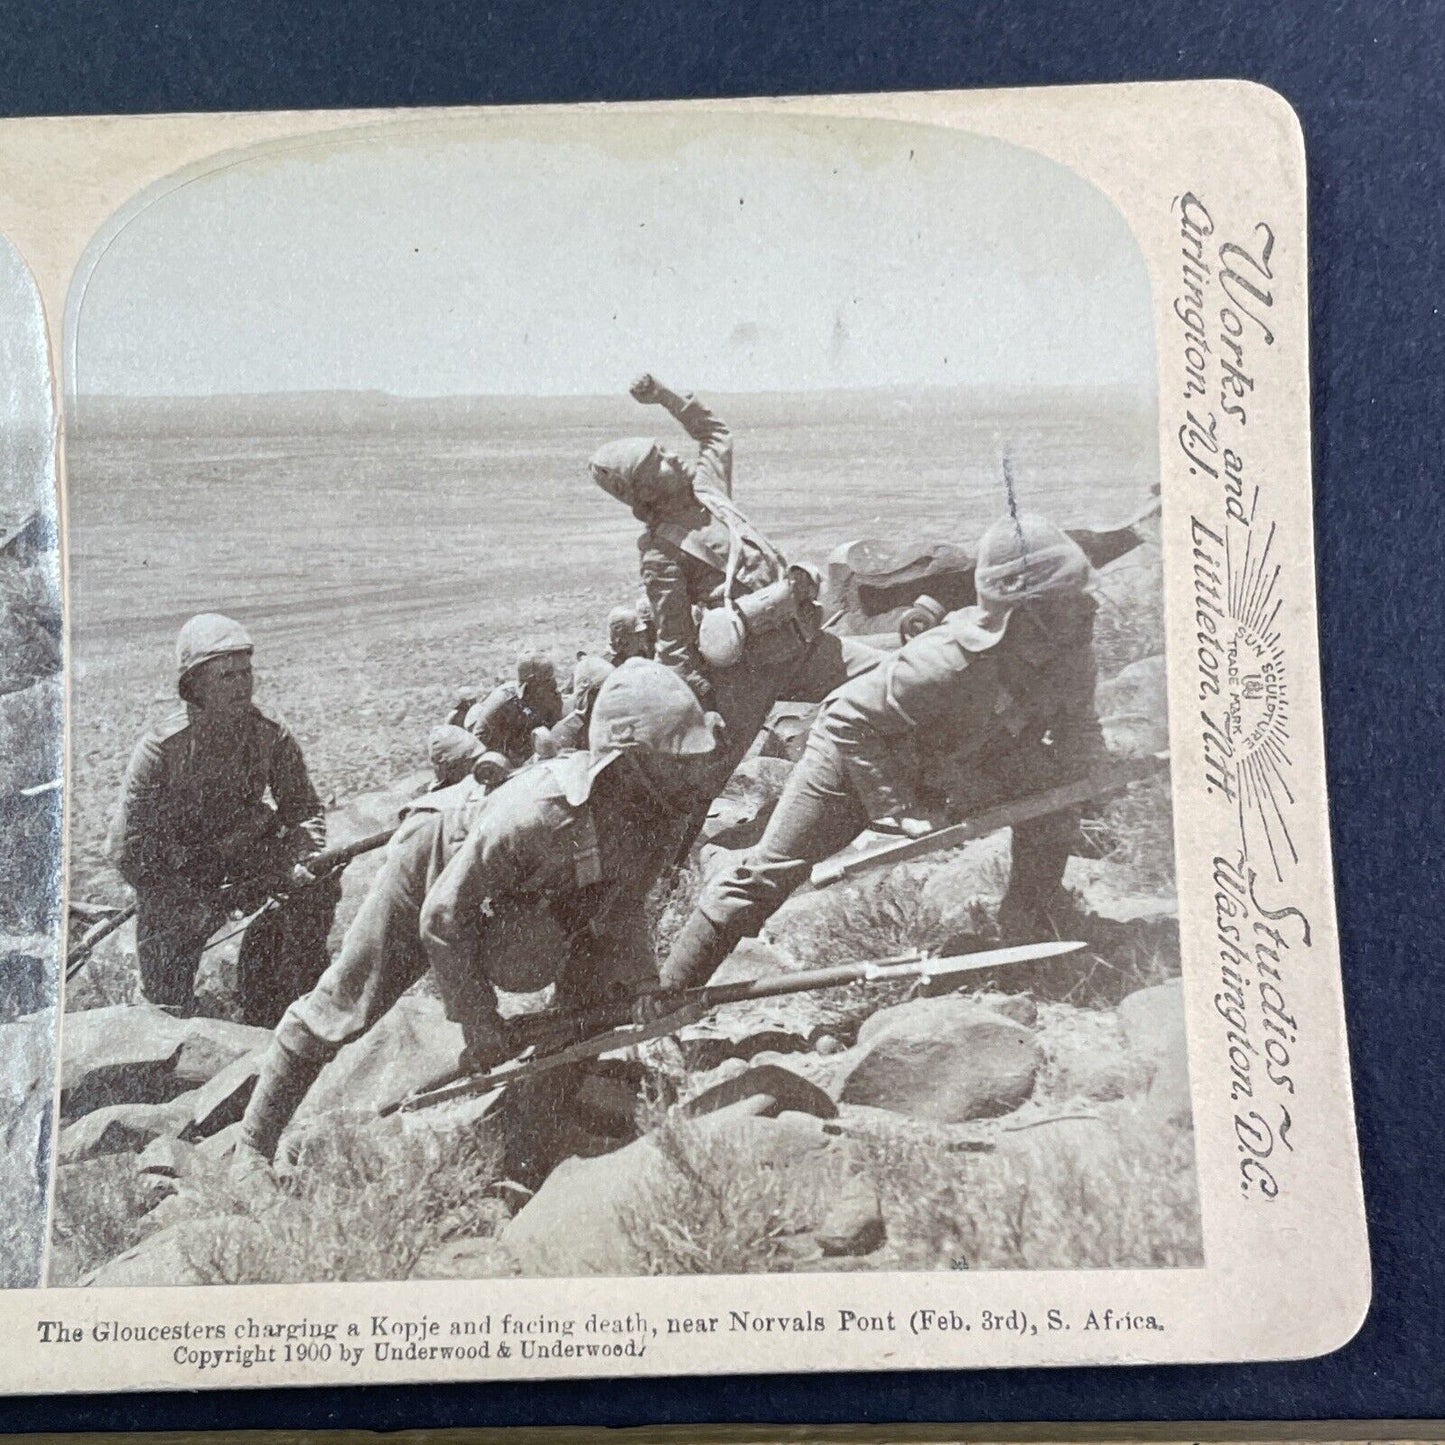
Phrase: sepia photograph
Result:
[678,738]
[619,718]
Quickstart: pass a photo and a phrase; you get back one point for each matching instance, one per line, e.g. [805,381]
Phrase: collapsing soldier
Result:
[739,625]
[217,814]
[996,702]
[538,881]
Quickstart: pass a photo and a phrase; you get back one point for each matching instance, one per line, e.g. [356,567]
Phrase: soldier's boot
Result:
[697,952]
[285,1080]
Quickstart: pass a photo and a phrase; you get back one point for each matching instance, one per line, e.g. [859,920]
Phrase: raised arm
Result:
[714,440]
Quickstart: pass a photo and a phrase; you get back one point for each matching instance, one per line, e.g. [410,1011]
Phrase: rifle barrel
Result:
[1098,784]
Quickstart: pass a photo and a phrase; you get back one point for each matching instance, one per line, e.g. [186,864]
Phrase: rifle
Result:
[1112,778]
[553,1041]
[320,865]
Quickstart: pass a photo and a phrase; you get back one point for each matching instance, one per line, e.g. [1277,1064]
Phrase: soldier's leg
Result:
[380,958]
[284,952]
[1040,853]
[817,815]
[172,927]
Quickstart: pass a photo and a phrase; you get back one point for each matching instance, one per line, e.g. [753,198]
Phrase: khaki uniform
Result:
[685,554]
[504,722]
[206,804]
[953,718]
[381,955]
[545,890]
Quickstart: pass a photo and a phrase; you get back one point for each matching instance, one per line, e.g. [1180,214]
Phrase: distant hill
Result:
[285,413]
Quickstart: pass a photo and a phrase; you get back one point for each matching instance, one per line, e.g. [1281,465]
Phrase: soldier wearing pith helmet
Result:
[217,809]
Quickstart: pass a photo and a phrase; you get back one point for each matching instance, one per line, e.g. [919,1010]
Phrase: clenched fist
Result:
[645,389]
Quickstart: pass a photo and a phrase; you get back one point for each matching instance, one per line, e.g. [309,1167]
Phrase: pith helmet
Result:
[535,666]
[622,623]
[208,636]
[1025,556]
[644,707]
[589,675]
[618,466]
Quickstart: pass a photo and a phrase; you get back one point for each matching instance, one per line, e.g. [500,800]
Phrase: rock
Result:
[854,1221]
[123,1054]
[178,1254]
[211,1046]
[218,1147]
[738,815]
[1133,708]
[586,1217]
[168,1158]
[1152,1020]
[1017,1006]
[827,1044]
[137,1054]
[118,1129]
[706,1044]
[943,1059]
[221,1101]
[1169,1101]
[411,1045]
[787,1091]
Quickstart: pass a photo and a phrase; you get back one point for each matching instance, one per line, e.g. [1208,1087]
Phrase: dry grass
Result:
[717,1208]
[363,1206]
[100,1211]
[1132,1205]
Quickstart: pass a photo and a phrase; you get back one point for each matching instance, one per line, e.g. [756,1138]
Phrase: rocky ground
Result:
[1035,1121]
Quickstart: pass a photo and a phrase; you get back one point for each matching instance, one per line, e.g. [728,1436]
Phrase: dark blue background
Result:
[1367,79]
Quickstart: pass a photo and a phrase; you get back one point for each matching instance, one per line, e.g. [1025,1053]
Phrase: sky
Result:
[553,256]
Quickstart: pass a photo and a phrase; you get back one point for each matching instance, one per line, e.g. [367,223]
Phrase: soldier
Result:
[540,876]
[506,718]
[739,625]
[629,634]
[1000,697]
[217,811]
[570,734]
[550,883]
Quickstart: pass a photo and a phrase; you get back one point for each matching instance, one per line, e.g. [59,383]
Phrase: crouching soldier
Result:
[570,735]
[739,625]
[537,881]
[217,811]
[629,632]
[550,883]
[994,704]
[507,717]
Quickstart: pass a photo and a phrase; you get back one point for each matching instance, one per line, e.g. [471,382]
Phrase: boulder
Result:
[1133,708]
[118,1129]
[411,1045]
[166,1158]
[1152,1020]
[853,1224]
[211,1046]
[175,1255]
[943,1059]
[138,1054]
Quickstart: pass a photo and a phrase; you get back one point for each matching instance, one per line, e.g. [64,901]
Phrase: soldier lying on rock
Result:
[539,881]
[995,703]
[739,625]
[216,812]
